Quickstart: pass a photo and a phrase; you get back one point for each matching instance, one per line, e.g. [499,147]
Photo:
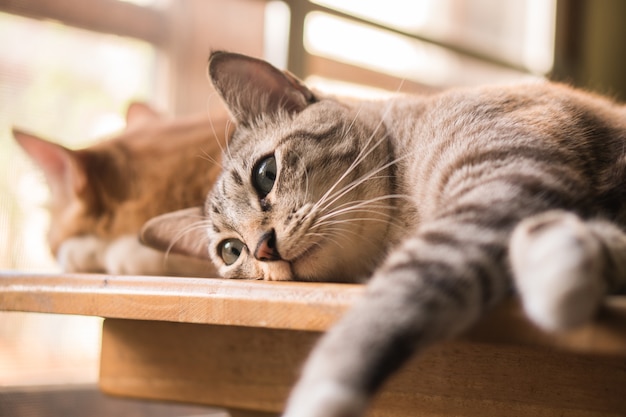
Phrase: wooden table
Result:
[240,345]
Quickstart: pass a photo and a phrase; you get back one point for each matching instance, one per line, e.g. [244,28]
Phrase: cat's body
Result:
[103,194]
[445,203]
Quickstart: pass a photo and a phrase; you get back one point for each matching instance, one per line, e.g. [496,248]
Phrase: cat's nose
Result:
[266,248]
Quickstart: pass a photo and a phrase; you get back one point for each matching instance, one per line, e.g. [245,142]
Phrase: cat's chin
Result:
[277,271]
[322,264]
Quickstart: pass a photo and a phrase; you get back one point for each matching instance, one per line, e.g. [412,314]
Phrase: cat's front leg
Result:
[563,267]
[433,287]
[82,254]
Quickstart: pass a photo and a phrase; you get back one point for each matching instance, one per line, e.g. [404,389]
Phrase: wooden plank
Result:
[108,16]
[274,305]
[227,366]
[253,368]
[281,305]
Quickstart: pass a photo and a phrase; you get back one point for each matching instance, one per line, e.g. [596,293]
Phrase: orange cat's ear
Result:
[140,113]
[178,232]
[61,166]
[253,89]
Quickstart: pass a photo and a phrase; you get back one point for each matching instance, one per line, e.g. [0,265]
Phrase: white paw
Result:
[127,256]
[327,399]
[82,254]
[557,265]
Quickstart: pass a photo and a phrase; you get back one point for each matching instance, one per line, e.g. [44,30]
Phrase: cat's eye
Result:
[230,250]
[264,175]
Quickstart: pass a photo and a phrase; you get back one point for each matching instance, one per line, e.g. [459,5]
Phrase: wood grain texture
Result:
[241,344]
[273,305]
[278,305]
[253,368]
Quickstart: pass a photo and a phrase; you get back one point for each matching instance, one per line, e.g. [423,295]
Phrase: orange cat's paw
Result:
[127,256]
[82,254]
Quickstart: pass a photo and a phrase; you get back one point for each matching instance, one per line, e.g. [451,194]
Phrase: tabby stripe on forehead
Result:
[331,132]
[236,177]
[327,161]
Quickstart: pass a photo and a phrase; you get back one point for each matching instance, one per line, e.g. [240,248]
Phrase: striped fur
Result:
[443,203]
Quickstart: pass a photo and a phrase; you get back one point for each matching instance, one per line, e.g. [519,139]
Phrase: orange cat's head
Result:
[112,188]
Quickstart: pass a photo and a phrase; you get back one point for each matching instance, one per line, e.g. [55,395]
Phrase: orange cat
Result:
[103,194]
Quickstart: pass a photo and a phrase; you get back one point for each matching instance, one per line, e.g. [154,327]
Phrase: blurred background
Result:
[68,70]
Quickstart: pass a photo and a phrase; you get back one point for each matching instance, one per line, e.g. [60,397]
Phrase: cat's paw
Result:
[557,265]
[82,254]
[326,399]
[127,256]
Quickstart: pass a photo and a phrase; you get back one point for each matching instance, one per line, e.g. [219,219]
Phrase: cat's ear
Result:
[140,113]
[253,88]
[178,232]
[62,167]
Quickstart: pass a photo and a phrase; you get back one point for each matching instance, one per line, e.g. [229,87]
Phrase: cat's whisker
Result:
[207,157]
[360,158]
[352,220]
[359,181]
[201,224]
[365,151]
[226,148]
[333,216]
[369,205]
[228,125]
[323,236]
[344,191]
[373,172]
[331,193]
[208,110]
[340,233]
[360,203]
[345,132]
[213,130]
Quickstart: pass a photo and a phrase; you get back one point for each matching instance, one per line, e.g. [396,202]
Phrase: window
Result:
[421,44]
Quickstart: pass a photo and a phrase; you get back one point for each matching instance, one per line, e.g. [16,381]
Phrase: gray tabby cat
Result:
[444,203]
